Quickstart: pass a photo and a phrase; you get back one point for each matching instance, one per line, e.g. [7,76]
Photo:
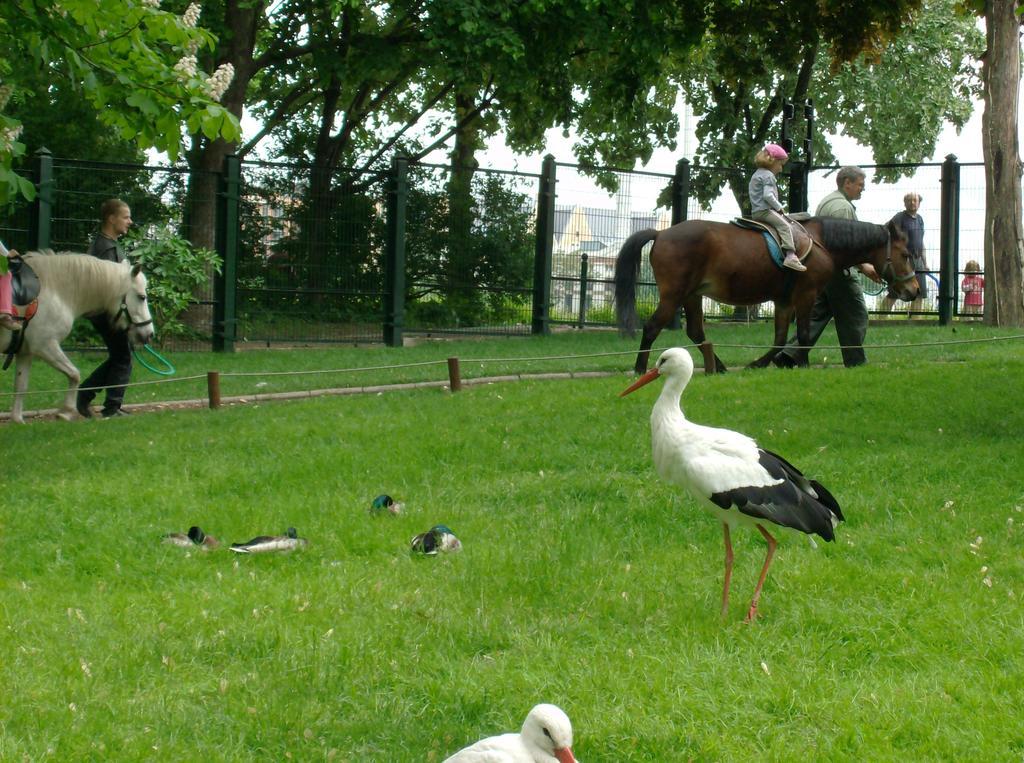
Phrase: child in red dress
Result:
[973,287]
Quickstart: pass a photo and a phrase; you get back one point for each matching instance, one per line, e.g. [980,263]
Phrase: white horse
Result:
[72,285]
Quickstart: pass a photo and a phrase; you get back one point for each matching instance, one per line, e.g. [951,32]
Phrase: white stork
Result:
[734,479]
[546,738]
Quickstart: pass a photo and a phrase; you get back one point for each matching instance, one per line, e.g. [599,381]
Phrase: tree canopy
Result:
[133,62]
[894,96]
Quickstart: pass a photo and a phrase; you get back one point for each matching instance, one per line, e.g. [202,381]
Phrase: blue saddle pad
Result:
[773,248]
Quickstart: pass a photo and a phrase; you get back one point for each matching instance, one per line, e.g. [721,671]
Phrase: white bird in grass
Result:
[734,479]
[546,738]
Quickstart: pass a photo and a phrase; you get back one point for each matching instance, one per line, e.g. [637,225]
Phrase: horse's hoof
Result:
[67,416]
[782,360]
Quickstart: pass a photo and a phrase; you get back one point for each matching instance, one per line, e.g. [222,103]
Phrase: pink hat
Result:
[775,151]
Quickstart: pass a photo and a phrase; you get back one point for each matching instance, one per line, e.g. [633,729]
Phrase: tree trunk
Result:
[1004,237]
[206,157]
[463,299]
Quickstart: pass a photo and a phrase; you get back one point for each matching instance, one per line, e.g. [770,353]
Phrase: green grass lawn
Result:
[584,580]
[251,373]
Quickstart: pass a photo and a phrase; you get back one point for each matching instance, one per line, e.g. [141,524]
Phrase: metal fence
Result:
[317,256]
[309,256]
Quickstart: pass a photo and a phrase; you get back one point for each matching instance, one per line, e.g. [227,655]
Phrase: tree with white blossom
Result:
[134,62]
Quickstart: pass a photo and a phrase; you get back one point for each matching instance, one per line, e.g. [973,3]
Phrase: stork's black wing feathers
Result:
[795,502]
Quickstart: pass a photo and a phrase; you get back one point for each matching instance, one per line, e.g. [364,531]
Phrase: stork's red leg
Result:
[728,569]
[752,613]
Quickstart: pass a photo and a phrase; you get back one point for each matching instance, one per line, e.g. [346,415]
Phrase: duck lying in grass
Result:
[437,538]
[386,503]
[194,537]
[264,543]
[546,736]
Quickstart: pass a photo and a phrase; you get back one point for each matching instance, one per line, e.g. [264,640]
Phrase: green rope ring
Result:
[168,369]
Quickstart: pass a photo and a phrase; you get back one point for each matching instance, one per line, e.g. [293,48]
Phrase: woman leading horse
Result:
[729,264]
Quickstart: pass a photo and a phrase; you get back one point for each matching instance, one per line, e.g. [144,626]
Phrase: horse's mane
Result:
[851,236]
[81,278]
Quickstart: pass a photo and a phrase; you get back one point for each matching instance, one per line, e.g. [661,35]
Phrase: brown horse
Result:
[729,264]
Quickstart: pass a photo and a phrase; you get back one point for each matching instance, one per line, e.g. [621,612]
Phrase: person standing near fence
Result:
[842,298]
[116,370]
[973,287]
[910,222]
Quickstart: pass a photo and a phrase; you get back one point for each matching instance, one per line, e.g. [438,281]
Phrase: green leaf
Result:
[26,187]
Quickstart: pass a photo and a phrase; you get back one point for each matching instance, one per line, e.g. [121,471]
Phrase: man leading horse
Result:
[842,298]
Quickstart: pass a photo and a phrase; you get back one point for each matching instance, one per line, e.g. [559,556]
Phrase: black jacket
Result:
[106,249]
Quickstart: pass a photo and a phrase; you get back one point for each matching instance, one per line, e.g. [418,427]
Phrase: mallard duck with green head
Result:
[193,538]
[265,543]
[385,503]
[438,538]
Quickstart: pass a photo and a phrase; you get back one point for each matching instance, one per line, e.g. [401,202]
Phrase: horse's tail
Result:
[627,271]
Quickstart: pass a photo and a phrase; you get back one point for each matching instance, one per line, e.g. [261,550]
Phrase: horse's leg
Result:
[22,366]
[803,337]
[694,308]
[783,317]
[809,311]
[54,355]
[661,318]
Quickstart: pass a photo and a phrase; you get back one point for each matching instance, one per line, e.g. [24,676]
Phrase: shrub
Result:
[174,269]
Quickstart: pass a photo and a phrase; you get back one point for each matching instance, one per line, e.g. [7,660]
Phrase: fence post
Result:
[788,112]
[584,267]
[798,187]
[42,206]
[949,235]
[680,212]
[225,285]
[809,140]
[213,388]
[680,191]
[545,243]
[454,375]
[394,252]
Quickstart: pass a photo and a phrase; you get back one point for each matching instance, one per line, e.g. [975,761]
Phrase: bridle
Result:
[888,273]
[123,310]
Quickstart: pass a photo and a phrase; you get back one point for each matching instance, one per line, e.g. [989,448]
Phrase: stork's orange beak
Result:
[647,378]
[564,755]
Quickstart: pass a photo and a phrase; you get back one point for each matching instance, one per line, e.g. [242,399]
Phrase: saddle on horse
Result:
[801,238]
[24,283]
[25,296]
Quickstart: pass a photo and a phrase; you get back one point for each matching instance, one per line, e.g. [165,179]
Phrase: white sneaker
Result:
[793,263]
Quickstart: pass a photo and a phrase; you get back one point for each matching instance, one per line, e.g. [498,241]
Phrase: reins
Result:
[168,367]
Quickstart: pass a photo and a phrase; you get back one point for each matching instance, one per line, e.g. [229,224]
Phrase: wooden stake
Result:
[454,378]
[213,388]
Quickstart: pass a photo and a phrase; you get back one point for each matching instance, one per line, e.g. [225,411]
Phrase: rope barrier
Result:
[332,370]
[62,390]
[541,358]
[872,346]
